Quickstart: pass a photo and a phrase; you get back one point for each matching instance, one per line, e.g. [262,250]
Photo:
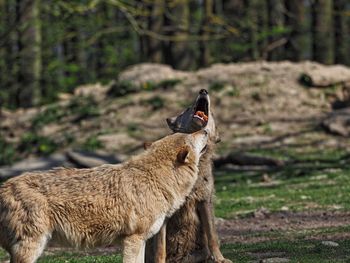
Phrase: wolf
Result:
[190,234]
[98,206]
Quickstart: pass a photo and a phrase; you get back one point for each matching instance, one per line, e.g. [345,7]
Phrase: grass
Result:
[64,257]
[7,152]
[311,251]
[155,102]
[32,142]
[82,108]
[77,258]
[314,181]
[92,144]
[123,88]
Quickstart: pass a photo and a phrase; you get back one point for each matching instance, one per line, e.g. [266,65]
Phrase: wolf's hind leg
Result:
[202,255]
[28,250]
[207,219]
[160,251]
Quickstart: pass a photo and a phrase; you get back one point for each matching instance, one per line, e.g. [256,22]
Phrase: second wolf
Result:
[190,232]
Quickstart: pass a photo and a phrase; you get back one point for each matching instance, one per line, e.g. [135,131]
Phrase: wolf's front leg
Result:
[160,249]
[134,249]
[207,220]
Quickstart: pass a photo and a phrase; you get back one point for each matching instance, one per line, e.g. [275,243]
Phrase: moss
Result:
[122,88]
[92,144]
[7,152]
[305,80]
[34,143]
[156,102]
[216,86]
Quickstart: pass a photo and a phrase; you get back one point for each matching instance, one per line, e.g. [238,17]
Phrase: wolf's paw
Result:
[222,260]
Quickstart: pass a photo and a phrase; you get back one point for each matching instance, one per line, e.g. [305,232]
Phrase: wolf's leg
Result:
[134,249]
[197,256]
[28,250]
[160,250]
[207,220]
[141,253]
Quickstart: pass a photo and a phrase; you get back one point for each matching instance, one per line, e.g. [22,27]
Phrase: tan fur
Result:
[190,232]
[185,231]
[189,239]
[89,207]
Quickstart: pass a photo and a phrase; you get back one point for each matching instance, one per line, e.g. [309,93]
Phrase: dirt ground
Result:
[259,228]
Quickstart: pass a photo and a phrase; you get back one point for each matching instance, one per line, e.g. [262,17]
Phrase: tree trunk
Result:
[29,52]
[74,56]
[3,27]
[276,21]
[204,56]
[262,26]
[295,21]
[322,45]
[105,20]
[8,74]
[179,25]
[252,18]
[233,10]
[155,25]
[341,33]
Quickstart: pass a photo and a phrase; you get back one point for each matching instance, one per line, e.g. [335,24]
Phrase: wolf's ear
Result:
[146,145]
[182,155]
[171,122]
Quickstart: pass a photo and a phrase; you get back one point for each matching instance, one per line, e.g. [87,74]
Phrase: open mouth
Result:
[201,111]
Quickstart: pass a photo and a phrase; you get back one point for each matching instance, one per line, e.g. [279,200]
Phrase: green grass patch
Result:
[34,143]
[155,102]
[310,251]
[76,258]
[306,155]
[7,152]
[123,88]
[216,86]
[84,107]
[300,186]
[3,255]
[51,114]
[92,144]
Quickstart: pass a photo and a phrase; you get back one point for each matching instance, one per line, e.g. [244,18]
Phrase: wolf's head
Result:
[183,148]
[198,116]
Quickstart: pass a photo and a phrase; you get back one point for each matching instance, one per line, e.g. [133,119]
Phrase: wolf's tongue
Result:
[200,118]
[201,115]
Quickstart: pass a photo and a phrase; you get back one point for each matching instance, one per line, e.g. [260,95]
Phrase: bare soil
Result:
[275,225]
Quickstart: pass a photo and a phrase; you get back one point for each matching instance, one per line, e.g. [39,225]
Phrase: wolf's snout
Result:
[203,92]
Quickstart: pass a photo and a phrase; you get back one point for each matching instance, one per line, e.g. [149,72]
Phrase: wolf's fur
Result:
[190,232]
[89,207]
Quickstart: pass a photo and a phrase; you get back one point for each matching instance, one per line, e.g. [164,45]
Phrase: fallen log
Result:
[83,159]
[325,76]
[247,159]
[338,122]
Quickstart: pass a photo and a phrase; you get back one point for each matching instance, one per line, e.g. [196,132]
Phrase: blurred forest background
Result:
[47,47]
